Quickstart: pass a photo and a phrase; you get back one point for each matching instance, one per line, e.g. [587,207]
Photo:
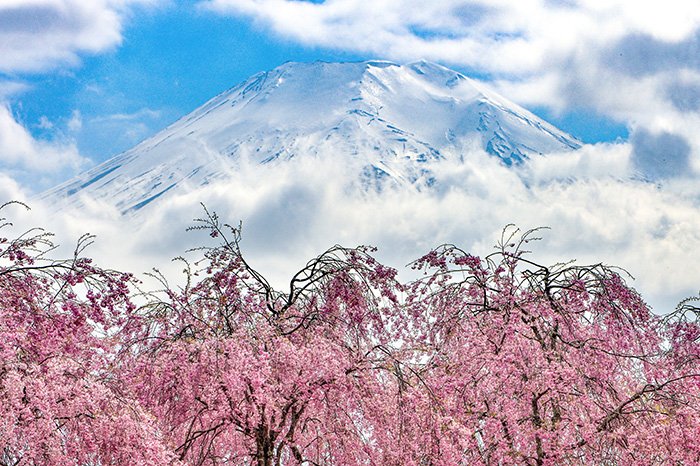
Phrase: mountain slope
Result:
[390,120]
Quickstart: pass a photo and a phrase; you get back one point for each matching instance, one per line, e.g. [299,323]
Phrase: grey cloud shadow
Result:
[37,19]
[642,54]
[658,156]
[471,14]
[684,96]
[283,218]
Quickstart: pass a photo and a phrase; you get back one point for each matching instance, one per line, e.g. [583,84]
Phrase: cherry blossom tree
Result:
[479,361]
[482,361]
[238,373]
[59,404]
[553,365]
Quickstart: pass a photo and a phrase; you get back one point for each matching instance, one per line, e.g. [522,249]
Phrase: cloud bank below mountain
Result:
[298,209]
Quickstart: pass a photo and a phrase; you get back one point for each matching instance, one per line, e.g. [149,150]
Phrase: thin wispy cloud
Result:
[144,113]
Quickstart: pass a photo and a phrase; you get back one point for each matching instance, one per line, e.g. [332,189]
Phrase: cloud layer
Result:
[595,211]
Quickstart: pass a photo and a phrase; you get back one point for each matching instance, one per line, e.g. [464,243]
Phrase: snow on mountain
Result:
[388,121]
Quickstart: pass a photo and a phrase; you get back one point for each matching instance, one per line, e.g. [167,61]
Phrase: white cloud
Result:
[121,131]
[8,88]
[34,162]
[144,113]
[75,123]
[10,190]
[592,161]
[45,123]
[497,36]
[37,35]
[595,211]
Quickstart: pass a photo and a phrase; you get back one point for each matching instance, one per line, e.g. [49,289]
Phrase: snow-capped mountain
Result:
[389,120]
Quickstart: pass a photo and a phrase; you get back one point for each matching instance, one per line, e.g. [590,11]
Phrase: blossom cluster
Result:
[493,360]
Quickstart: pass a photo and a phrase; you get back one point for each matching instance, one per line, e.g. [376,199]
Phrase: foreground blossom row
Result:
[480,361]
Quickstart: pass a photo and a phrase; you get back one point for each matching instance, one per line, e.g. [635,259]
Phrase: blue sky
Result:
[82,81]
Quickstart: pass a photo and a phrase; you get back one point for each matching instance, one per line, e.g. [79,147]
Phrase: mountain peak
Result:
[390,118]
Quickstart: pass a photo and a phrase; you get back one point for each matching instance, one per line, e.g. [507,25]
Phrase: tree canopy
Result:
[481,360]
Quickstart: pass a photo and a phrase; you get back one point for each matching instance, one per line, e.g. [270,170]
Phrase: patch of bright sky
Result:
[172,60]
[587,126]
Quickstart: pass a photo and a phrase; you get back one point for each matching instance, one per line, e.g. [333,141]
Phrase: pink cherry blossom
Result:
[481,361]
